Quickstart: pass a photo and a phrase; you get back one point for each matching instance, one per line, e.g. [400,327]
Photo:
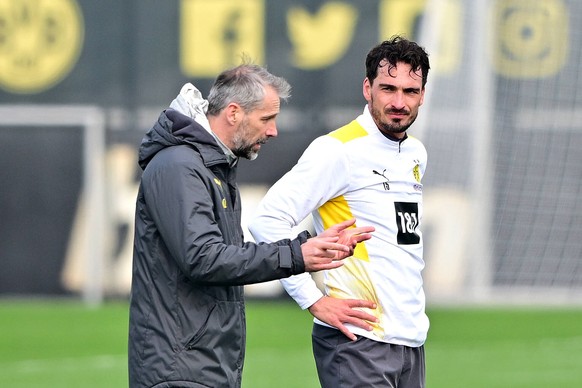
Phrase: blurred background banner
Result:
[81,81]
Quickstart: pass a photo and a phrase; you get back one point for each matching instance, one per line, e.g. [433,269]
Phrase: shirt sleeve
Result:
[302,190]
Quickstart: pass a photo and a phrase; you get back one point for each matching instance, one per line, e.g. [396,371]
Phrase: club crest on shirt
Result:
[416,171]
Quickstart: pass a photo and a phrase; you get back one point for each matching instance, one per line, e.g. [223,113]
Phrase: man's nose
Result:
[398,100]
[272,130]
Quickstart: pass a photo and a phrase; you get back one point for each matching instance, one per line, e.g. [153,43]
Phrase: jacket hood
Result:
[173,129]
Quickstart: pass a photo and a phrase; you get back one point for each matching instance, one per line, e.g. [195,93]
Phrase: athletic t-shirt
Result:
[356,171]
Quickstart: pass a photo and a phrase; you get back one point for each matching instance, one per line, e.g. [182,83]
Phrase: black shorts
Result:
[342,363]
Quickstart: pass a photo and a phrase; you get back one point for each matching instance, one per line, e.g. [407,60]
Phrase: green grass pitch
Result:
[64,344]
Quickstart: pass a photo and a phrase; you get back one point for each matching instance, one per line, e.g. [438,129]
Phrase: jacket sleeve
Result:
[181,207]
[307,186]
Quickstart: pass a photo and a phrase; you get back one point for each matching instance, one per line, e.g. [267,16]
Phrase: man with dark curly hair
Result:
[370,321]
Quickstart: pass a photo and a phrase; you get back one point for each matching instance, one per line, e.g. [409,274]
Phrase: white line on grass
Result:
[105,361]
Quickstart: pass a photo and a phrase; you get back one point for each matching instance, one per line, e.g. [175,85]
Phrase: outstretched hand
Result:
[320,253]
[329,248]
[348,235]
[338,312]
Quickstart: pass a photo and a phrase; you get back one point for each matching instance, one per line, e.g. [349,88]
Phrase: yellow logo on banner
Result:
[40,41]
[533,37]
[319,40]
[215,33]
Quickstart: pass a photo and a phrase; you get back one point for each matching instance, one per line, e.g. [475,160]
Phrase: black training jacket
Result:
[187,315]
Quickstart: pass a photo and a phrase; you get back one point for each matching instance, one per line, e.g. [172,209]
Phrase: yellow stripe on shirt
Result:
[337,210]
[349,132]
[354,274]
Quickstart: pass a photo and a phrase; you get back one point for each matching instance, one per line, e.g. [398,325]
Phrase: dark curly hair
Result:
[397,49]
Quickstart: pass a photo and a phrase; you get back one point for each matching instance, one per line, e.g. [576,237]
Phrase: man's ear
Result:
[367,89]
[233,113]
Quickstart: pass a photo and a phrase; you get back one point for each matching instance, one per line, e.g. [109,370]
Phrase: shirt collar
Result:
[230,156]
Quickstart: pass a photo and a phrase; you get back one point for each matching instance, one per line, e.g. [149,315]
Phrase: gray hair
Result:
[244,85]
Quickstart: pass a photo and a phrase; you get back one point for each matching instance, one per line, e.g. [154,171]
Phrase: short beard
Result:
[389,127]
[246,153]
[241,148]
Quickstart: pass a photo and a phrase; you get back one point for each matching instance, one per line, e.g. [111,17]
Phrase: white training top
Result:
[355,171]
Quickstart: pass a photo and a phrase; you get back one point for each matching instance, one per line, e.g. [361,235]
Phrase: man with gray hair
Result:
[187,313]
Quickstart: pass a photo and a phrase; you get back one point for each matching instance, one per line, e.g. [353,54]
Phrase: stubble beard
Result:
[241,146]
[390,127]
